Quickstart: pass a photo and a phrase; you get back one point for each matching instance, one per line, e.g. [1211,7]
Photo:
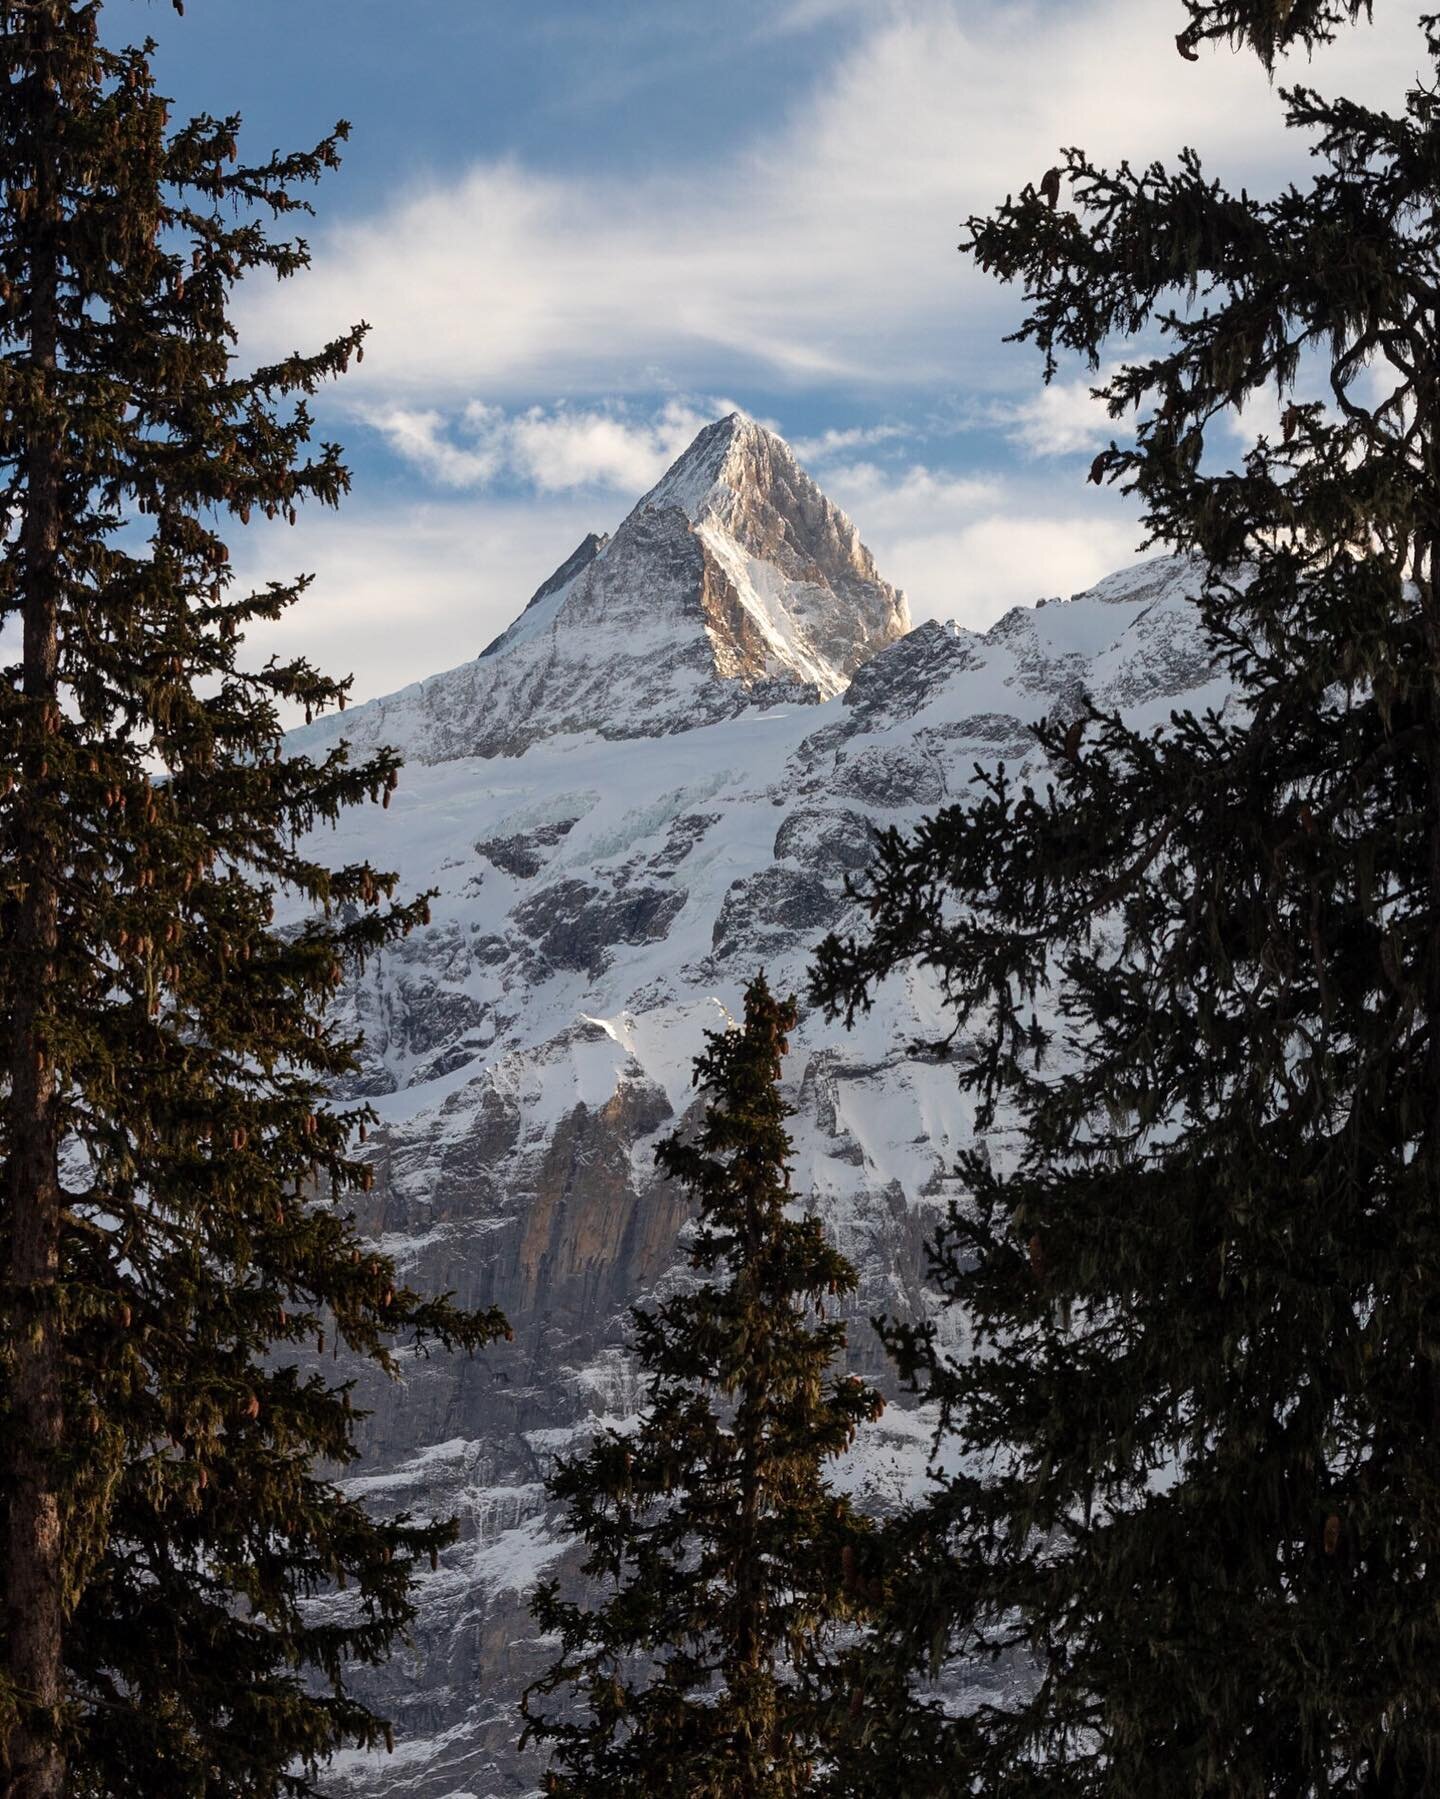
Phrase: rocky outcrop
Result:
[574,925]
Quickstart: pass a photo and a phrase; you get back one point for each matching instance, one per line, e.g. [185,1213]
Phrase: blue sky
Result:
[581,231]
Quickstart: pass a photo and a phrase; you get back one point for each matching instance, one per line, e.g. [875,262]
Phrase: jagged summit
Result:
[740,478]
[717,457]
[733,456]
[742,488]
[733,583]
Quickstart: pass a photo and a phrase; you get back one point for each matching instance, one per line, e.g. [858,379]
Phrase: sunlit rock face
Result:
[659,779]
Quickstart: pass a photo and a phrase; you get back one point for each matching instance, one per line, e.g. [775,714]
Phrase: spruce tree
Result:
[1269,27]
[1196,1500]
[707,1671]
[174,1238]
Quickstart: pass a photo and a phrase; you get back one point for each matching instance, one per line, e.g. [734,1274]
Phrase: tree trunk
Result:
[1428,575]
[753,1672]
[34,1566]
[1386,1780]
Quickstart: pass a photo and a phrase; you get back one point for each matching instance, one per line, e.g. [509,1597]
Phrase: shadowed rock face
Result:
[579,559]
[588,1228]
[603,898]
[745,492]
[574,925]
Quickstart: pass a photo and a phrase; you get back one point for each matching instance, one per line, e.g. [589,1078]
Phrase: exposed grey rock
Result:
[899,684]
[682,838]
[574,925]
[892,776]
[831,841]
[427,1014]
[523,854]
[773,903]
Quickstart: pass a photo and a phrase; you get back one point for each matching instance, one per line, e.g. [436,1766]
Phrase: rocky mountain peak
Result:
[788,591]
[741,482]
[731,457]
[724,456]
[733,583]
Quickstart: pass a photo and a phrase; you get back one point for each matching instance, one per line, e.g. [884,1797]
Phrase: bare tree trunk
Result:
[34,1565]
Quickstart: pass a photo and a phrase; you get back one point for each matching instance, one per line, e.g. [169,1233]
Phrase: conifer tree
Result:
[1197,1498]
[706,1672]
[1269,27]
[174,1238]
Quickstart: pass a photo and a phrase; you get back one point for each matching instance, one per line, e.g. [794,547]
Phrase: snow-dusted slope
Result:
[603,898]
[733,584]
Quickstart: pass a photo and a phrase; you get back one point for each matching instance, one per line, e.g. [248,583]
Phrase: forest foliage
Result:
[176,1239]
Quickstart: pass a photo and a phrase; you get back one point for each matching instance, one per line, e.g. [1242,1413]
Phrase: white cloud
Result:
[797,16]
[554,449]
[1059,420]
[820,252]
[970,548]
[837,441]
[421,437]
[918,494]
[1012,558]
[402,592]
[1259,417]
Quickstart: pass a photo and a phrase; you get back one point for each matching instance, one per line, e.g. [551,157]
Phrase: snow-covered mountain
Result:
[734,584]
[654,782]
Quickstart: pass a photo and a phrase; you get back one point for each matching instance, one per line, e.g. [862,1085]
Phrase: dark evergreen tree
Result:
[1198,1501]
[732,1566]
[173,1217]
[1269,27]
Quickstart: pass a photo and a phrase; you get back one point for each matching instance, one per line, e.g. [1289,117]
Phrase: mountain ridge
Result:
[579,558]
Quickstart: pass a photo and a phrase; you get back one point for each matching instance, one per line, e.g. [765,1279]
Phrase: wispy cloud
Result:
[551,449]
[422,438]
[796,16]
[820,251]
[1057,420]
[1064,418]
[969,548]
[839,441]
